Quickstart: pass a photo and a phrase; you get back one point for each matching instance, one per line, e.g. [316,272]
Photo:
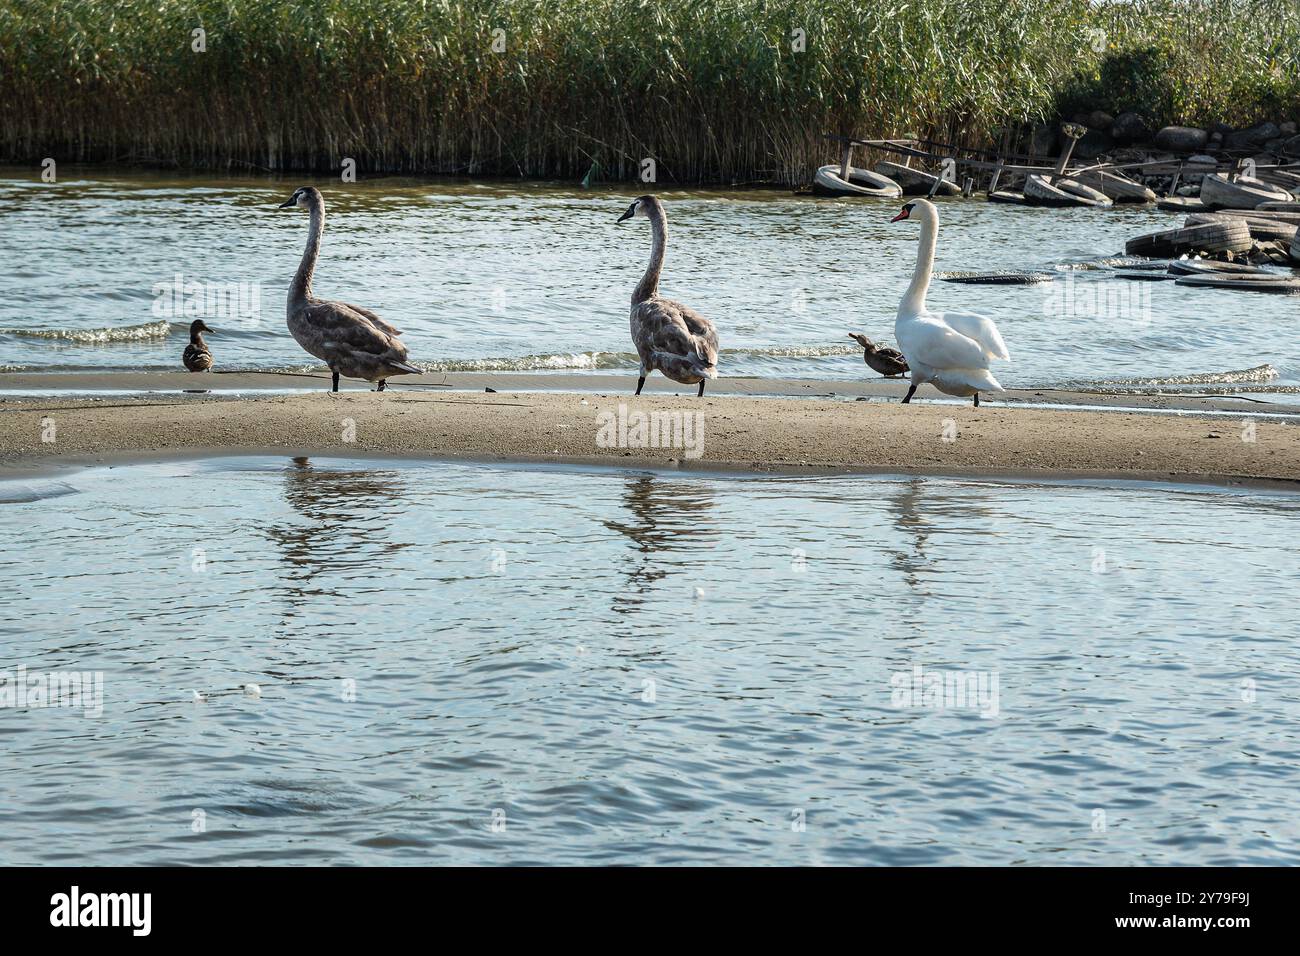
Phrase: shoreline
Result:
[219,385]
[734,432]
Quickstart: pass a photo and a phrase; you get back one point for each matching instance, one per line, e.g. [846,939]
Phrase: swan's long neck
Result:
[649,284]
[300,290]
[914,301]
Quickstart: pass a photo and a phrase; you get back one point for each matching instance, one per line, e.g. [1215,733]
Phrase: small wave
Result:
[559,361]
[122,333]
[1260,373]
[797,351]
[589,361]
[1107,262]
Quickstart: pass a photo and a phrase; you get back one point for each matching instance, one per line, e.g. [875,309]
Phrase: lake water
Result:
[537,277]
[472,664]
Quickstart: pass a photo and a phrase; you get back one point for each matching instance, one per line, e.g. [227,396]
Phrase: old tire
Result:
[1189,267]
[1272,283]
[1181,204]
[917,182]
[1218,192]
[1064,192]
[997,278]
[1260,227]
[1228,235]
[861,182]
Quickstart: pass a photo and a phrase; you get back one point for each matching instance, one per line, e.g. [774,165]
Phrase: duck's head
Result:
[197,326]
[862,340]
[641,206]
[302,197]
[921,209]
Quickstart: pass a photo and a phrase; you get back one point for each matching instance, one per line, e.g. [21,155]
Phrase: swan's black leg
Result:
[639,382]
[336,382]
[700,394]
[910,392]
[381,385]
[977,399]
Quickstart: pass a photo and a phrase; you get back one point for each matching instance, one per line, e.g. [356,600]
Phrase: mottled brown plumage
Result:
[197,356]
[888,362]
[669,336]
[351,340]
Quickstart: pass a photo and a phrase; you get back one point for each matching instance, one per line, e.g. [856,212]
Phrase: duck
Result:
[950,350]
[880,358]
[351,340]
[669,336]
[197,356]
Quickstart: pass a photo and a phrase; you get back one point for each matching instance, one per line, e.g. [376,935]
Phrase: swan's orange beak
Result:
[901,215]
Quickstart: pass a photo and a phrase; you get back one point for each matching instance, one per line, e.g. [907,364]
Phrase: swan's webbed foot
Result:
[639,383]
[383,383]
[910,392]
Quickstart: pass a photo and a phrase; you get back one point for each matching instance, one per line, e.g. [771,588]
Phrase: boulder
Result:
[1100,121]
[1093,144]
[1182,139]
[1288,128]
[1130,128]
[1275,145]
[1292,146]
[1252,136]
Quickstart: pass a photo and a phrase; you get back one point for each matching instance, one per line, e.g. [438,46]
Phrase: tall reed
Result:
[712,90]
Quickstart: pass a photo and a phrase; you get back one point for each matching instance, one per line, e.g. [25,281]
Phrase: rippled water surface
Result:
[487,665]
[518,276]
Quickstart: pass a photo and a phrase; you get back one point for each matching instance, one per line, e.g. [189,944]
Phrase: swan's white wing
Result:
[927,341]
[981,329]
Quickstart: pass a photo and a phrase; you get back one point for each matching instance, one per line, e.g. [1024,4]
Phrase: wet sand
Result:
[824,431]
[223,383]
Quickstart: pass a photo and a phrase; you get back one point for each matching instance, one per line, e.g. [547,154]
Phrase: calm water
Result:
[437,643]
[537,277]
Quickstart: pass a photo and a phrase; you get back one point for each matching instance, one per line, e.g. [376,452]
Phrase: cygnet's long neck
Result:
[300,290]
[649,284]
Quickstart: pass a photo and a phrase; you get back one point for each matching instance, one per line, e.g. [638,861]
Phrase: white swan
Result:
[950,350]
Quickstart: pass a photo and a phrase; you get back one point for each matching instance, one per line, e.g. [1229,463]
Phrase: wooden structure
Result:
[978,162]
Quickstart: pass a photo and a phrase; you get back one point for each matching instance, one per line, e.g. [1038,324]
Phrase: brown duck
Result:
[198,357]
[888,362]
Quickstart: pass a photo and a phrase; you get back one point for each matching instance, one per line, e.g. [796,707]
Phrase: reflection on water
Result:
[345,519]
[437,642]
[662,517]
[537,277]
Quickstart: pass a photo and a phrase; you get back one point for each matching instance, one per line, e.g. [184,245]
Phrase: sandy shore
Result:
[731,432]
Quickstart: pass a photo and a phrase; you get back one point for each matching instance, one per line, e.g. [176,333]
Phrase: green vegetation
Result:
[714,90]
